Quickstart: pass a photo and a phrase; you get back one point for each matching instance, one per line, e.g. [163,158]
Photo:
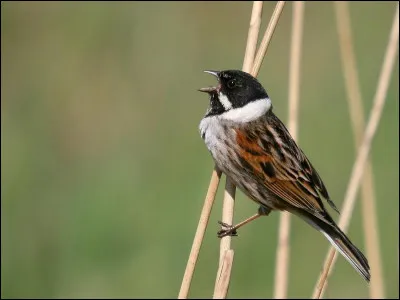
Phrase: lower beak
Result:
[209,90]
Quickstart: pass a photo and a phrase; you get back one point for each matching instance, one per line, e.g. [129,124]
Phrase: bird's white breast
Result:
[211,131]
[212,128]
[218,131]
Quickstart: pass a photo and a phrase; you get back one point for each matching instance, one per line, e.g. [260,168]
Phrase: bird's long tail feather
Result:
[339,240]
[354,256]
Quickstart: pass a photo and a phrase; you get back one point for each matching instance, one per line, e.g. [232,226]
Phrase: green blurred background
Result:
[103,169]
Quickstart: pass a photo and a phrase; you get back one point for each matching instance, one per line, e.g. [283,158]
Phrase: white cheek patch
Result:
[251,111]
[224,101]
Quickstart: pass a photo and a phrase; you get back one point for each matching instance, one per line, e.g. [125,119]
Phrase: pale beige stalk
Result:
[267,38]
[227,255]
[283,248]
[224,275]
[362,156]
[230,188]
[198,238]
[252,36]
[376,287]
[221,287]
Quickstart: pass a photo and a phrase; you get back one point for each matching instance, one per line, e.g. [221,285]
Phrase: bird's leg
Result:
[232,230]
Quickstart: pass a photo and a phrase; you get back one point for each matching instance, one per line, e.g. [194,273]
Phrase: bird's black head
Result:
[235,90]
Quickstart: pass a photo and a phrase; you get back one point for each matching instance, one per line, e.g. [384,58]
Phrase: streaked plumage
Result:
[253,147]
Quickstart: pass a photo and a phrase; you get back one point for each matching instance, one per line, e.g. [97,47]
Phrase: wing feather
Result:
[273,157]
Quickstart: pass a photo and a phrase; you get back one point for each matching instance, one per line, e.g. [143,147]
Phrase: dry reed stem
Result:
[214,182]
[283,249]
[362,156]
[267,38]
[252,36]
[227,216]
[356,109]
[224,276]
[230,189]
[198,238]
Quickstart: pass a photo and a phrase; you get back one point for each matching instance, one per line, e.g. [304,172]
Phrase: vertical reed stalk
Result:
[226,253]
[356,109]
[362,156]
[267,38]
[283,248]
[230,189]
[198,238]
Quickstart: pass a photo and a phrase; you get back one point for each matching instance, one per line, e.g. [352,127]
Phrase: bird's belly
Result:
[221,142]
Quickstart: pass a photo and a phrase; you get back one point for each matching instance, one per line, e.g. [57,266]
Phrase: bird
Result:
[252,147]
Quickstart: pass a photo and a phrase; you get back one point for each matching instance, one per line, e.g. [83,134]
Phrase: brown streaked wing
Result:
[317,181]
[304,166]
[288,183]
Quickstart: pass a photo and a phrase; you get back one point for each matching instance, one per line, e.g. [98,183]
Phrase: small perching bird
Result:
[251,146]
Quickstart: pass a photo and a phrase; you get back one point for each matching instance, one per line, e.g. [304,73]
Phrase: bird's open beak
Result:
[211,89]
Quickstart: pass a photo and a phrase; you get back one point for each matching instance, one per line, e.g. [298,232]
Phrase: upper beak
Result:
[215,73]
[210,89]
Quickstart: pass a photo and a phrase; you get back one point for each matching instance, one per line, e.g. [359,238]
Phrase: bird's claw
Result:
[228,230]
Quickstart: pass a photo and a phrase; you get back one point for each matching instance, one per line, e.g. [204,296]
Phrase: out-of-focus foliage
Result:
[104,172]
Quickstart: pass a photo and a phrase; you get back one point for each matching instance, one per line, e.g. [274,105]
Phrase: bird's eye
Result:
[231,84]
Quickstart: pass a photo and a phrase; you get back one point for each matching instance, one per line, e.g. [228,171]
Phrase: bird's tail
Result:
[340,241]
[353,255]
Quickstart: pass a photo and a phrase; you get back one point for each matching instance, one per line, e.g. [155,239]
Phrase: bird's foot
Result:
[228,230]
